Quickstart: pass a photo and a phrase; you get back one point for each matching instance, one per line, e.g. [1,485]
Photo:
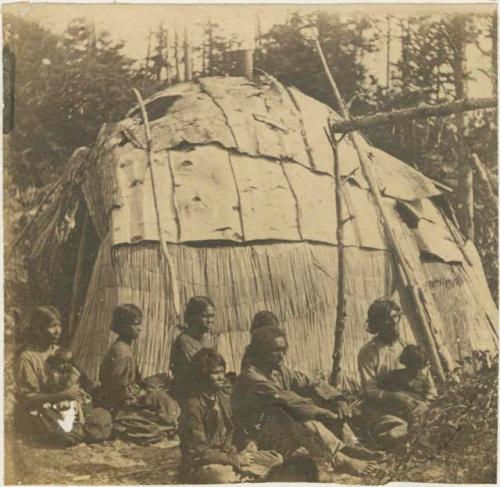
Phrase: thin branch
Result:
[482,172]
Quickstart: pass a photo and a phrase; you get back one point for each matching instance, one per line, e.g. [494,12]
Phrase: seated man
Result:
[377,362]
[275,407]
[206,429]
[260,320]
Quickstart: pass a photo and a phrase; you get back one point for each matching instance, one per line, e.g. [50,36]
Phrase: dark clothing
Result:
[256,392]
[141,415]
[206,431]
[403,380]
[245,361]
[183,350]
[119,377]
[64,423]
[377,360]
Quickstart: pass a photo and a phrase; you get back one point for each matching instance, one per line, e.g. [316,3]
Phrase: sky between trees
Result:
[132,22]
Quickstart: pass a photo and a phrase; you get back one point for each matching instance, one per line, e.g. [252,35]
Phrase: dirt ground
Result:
[114,462]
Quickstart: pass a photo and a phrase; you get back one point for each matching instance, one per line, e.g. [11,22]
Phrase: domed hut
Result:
[245,197]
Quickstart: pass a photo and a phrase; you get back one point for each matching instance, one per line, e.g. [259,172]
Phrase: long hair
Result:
[195,306]
[263,319]
[378,313]
[124,315]
[262,342]
[40,319]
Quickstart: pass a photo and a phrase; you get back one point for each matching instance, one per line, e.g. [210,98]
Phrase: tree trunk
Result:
[204,54]
[177,56]
[404,128]
[166,59]
[494,51]
[159,66]
[210,48]
[388,59]
[258,39]
[465,181]
[148,53]
[188,62]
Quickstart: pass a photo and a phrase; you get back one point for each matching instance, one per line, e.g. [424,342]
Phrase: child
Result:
[62,375]
[206,429]
[414,378]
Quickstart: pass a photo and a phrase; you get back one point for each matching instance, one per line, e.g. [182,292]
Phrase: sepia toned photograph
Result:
[250,243]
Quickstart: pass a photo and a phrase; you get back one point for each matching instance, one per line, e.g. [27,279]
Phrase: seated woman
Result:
[275,407]
[206,429]
[51,406]
[386,409]
[141,414]
[199,318]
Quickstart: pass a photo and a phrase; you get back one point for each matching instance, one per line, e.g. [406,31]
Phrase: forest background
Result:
[74,77]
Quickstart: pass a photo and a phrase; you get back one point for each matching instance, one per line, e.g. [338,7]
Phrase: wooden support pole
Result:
[430,338]
[422,111]
[171,281]
[466,196]
[76,291]
[341,318]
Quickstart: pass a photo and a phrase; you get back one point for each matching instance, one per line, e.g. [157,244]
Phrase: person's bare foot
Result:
[354,466]
[358,451]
